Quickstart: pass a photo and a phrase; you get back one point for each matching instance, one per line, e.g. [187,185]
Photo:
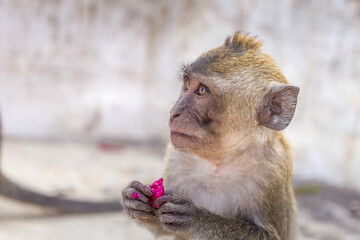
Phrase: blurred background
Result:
[86,88]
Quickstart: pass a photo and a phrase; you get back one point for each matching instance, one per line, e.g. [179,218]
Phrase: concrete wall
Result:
[108,69]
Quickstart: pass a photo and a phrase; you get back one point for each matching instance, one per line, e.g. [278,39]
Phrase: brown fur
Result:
[228,171]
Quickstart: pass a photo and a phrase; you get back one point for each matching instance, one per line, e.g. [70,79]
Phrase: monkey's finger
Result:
[174,208]
[137,205]
[142,188]
[139,214]
[169,198]
[129,193]
[174,219]
[175,228]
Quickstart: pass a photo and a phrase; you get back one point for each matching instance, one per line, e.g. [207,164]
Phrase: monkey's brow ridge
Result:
[186,70]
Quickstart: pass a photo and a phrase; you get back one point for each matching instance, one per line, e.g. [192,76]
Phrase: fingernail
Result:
[150,192]
[157,202]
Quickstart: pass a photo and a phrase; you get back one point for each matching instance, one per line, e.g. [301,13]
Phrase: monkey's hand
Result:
[138,207]
[177,214]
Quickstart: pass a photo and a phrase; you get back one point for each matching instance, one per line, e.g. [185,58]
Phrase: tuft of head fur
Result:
[242,42]
[240,56]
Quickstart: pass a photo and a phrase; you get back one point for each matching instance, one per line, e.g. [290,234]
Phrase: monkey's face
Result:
[193,118]
[232,96]
[210,121]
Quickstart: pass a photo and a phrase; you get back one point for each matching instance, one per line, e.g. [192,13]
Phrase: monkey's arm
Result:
[180,216]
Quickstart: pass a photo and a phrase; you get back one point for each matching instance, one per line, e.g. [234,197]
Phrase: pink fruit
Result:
[135,195]
[157,188]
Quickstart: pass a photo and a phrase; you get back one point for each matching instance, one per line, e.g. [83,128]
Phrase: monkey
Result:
[228,165]
[14,191]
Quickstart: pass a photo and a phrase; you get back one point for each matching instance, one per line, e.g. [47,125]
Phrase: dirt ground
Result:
[99,171]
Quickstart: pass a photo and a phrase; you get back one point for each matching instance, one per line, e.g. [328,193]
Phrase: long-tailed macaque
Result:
[229,168]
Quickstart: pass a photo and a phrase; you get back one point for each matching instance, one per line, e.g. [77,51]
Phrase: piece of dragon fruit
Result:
[135,195]
[157,188]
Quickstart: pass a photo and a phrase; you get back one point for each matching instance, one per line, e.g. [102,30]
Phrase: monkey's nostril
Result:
[175,115]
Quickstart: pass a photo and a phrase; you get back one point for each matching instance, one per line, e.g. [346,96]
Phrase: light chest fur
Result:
[217,188]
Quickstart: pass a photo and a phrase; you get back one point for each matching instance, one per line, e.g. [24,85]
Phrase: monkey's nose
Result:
[173,116]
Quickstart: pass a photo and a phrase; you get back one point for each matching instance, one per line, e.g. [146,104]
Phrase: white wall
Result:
[108,69]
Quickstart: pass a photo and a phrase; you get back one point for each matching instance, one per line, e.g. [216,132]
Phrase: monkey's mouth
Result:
[182,140]
[179,134]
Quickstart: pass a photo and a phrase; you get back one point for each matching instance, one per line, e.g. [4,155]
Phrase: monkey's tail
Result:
[14,191]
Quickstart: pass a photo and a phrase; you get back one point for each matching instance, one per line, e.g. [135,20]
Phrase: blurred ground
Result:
[100,171]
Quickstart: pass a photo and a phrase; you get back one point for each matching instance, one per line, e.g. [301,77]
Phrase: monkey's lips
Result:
[181,140]
[179,134]
[176,133]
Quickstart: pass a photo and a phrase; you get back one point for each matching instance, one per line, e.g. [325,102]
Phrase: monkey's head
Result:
[232,96]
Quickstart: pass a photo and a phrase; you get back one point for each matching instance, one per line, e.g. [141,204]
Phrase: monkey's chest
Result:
[226,192]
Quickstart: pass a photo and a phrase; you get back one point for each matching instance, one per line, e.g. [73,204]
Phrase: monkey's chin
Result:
[182,141]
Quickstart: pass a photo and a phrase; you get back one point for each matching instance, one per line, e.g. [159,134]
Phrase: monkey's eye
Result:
[202,90]
[187,84]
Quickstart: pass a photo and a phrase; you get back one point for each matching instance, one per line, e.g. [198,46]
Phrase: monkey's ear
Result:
[279,107]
